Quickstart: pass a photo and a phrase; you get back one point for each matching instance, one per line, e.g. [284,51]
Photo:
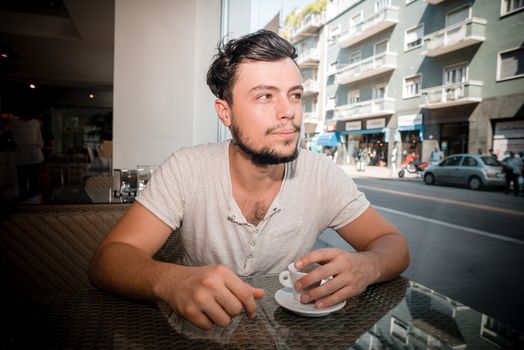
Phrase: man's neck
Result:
[250,176]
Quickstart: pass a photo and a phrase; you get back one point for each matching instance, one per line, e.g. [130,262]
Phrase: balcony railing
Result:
[466,33]
[309,57]
[309,26]
[369,67]
[334,8]
[311,87]
[380,20]
[452,95]
[311,118]
[366,109]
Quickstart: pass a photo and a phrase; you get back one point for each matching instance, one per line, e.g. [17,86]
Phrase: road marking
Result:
[447,224]
[444,200]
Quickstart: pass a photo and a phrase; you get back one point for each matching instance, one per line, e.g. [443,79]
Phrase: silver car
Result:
[473,170]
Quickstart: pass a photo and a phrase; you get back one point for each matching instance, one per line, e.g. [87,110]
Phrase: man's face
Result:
[266,114]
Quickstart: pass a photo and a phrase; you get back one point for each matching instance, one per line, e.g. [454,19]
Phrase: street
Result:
[468,245]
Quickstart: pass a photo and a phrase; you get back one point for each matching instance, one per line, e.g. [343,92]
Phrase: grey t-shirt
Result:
[192,191]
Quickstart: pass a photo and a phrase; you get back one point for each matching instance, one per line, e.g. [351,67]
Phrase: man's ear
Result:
[223,111]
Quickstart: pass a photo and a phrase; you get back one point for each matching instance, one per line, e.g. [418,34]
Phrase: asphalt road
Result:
[468,245]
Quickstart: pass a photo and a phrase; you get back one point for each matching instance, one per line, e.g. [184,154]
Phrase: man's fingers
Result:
[319,256]
[197,317]
[245,294]
[330,287]
[335,298]
[258,293]
[217,314]
[229,302]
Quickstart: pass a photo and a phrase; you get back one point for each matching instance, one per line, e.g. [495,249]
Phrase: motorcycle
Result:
[412,166]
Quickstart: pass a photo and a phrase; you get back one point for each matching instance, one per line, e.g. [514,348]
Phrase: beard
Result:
[265,155]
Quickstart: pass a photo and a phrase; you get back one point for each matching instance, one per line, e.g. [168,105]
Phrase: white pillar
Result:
[163,49]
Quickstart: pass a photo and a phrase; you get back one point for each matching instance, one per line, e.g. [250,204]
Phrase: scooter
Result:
[411,166]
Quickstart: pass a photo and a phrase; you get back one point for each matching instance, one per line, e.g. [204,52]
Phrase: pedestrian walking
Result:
[512,169]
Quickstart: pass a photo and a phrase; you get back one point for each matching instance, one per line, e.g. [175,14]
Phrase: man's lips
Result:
[284,132]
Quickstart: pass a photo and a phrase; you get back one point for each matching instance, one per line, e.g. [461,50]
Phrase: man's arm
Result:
[382,254]
[205,295]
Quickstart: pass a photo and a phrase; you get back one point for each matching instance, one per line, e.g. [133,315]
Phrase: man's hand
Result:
[208,295]
[352,273]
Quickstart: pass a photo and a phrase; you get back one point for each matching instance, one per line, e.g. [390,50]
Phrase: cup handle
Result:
[285,279]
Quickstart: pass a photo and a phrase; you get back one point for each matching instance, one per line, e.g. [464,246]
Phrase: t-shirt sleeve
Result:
[348,203]
[166,192]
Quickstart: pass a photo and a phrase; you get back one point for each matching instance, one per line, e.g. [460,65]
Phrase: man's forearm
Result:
[127,271]
[389,257]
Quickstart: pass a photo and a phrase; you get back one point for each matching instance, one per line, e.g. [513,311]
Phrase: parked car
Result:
[473,170]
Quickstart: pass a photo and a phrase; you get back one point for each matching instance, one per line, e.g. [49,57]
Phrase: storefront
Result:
[454,138]
[368,137]
[410,133]
[508,136]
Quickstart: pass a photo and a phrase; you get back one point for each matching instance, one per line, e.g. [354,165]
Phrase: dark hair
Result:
[262,45]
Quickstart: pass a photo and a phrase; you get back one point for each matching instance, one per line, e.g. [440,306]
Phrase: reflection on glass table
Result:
[400,314]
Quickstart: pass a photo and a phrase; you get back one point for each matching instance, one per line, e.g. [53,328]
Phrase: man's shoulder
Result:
[201,150]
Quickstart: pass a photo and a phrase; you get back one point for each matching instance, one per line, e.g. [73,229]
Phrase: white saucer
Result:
[284,297]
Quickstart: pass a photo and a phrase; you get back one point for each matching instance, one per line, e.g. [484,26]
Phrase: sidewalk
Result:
[375,172]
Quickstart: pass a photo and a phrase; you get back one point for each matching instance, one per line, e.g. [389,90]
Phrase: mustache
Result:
[282,126]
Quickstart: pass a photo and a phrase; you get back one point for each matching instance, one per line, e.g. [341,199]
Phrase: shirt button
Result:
[249,256]
[255,230]
[232,217]
[253,243]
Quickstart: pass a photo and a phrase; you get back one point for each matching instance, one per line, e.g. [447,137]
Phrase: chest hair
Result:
[254,211]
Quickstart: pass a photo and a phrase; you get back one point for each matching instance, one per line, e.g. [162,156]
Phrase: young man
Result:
[248,206]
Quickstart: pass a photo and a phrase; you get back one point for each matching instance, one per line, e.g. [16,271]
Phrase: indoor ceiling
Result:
[57,42]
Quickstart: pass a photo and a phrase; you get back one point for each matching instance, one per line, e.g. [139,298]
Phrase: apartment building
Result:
[419,74]
[308,40]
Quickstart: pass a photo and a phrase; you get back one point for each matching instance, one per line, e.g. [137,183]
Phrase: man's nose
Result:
[285,109]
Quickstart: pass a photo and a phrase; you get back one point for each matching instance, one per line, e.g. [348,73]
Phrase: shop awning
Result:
[329,139]
[410,127]
[366,131]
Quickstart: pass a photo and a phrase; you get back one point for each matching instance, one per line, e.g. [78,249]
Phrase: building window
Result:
[354,97]
[413,37]
[510,64]
[412,86]
[509,6]
[455,74]
[356,20]
[334,32]
[354,57]
[379,91]
[381,47]
[458,15]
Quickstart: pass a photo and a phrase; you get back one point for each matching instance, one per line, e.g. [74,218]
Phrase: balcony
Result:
[311,118]
[380,20]
[455,37]
[452,95]
[335,8]
[309,58]
[331,104]
[311,87]
[367,109]
[309,27]
[369,67]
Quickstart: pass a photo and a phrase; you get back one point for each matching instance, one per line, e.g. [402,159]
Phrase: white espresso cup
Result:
[288,278]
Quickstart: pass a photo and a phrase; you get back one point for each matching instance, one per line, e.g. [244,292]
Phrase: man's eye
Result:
[264,97]
[296,96]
